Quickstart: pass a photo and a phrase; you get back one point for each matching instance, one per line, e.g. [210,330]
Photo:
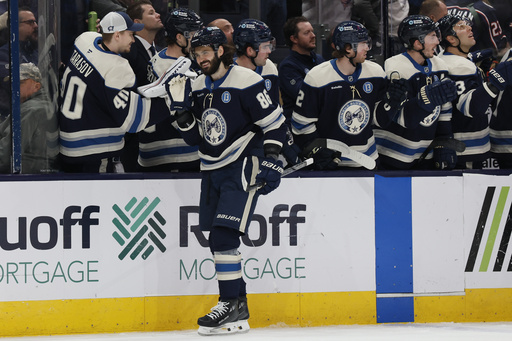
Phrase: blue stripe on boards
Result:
[393,247]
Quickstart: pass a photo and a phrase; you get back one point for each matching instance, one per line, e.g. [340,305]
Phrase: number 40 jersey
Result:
[100,104]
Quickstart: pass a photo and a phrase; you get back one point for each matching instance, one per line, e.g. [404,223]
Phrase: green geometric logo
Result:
[139,228]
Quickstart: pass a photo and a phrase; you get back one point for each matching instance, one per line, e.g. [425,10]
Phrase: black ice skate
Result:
[243,315]
[221,320]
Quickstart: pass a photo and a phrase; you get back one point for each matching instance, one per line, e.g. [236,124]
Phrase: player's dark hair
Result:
[227,56]
[341,53]
[135,10]
[290,28]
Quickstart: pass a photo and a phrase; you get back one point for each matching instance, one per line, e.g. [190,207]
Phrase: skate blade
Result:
[243,326]
[228,328]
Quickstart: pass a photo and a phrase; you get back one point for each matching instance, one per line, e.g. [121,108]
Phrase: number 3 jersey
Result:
[340,107]
[99,103]
[233,115]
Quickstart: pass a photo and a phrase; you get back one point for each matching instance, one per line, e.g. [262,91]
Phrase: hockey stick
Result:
[347,152]
[286,172]
[444,142]
[157,88]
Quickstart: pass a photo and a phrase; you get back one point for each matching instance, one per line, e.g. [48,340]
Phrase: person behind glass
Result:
[225,26]
[141,51]
[99,101]
[472,107]
[39,146]
[240,132]
[161,147]
[408,140]
[340,98]
[28,39]
[301,39]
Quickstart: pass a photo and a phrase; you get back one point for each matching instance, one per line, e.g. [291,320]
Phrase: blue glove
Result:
[269,174]
[437,93]
[290,150]
[179,89]
[444,158]
[480,55]
[501,75]
[396,95]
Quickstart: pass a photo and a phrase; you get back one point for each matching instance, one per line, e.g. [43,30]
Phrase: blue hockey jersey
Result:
[470,118]
[233,115]
[402,142]
[340,107]
[501,122]
[99,103]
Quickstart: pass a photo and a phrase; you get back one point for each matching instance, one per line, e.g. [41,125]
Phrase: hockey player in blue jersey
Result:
[407,141]
[99,103]
[338,99]
[240,132]
[254,43]
[501,122]
[161,147]
[472,107]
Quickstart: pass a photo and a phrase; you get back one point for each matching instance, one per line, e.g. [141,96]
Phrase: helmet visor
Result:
[267,46]
[433,37]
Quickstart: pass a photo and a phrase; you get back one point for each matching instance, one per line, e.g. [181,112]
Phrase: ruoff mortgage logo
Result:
[492,236]
[139,228]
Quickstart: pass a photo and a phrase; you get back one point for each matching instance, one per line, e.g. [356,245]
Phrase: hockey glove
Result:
[396,95]
[179,89]
[269,174]
[444,158]
[325,159]
[437,93]
[290,150]
[480,55]
[501,75]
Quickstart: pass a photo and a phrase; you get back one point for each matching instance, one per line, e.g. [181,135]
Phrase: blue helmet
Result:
[209,36]
[182,20]
[416,27]
[251,32]
[350,32]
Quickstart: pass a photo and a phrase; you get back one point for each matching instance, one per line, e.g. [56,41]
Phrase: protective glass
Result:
[462,25]
[365,44]
[267,46]
[433,37]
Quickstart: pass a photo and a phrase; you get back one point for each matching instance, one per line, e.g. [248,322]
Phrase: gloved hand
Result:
[396,95]
[478,56]
[501,75]
[290,150]
[179,89]
[325,159]
[437,93]
[269,174]
[444,158]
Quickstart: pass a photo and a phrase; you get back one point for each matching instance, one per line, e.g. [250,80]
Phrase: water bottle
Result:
[92,17]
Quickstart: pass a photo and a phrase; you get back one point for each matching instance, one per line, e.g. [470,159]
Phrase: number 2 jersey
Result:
[99,103]
[339,107]
[234,115]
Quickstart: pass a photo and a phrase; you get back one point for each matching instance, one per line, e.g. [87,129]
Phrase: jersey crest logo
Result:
[430,119]
[226,97]
[368,87]
[214,126]
[268,84]
[354,116]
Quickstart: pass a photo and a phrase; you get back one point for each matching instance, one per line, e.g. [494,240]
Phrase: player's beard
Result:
[214,66]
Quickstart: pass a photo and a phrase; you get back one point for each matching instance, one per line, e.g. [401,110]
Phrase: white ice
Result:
[496,331]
